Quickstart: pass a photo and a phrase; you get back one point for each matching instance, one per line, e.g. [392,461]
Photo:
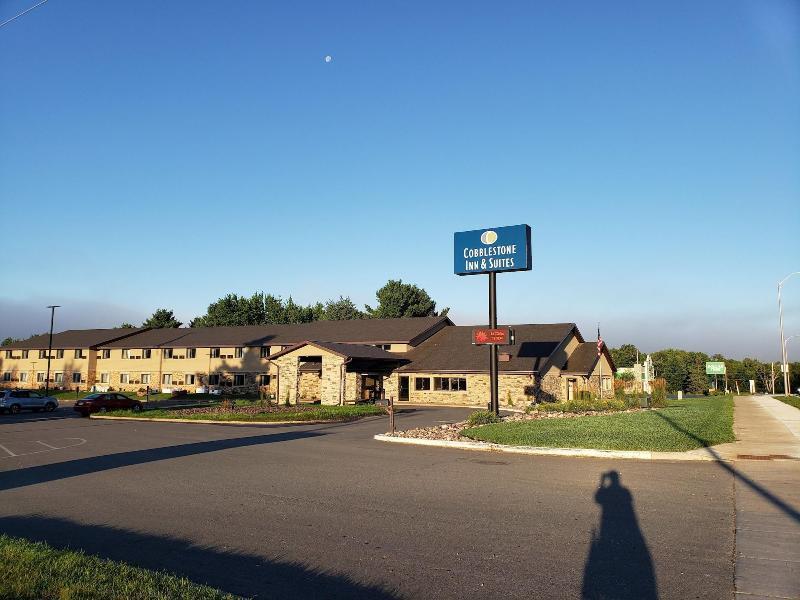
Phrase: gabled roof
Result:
[345,351]
[451,350]
[358,331]
[583,359]
[75,338]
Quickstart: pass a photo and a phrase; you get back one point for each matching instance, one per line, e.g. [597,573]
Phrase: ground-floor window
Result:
[40,377]
[76,378]
[213,379]
[103,377]
[23,377]
[450,384]
[124,378]
[59,378]
[166,379]
[606,384]
[238,379]
[263,379]
[422,383]
[145,378]
[190,378]
[7,376]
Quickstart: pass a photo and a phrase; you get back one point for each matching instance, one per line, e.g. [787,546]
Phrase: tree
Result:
[625,355]
[127,325]
[8,341]
[341,310]
[162,318]
[398,299]
[233,310]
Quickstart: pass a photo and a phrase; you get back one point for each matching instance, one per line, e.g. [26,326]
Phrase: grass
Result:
[790,400]
[35,570]
[315,413]
[683,425]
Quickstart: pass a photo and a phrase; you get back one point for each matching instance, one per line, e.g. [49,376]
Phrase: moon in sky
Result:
[328,58]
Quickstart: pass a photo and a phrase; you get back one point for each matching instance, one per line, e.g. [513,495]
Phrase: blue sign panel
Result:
[494,250]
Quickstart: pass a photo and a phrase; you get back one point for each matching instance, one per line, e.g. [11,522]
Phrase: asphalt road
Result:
[325,511]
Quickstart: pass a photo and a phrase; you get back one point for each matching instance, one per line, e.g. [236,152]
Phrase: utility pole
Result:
[784,365]
[52,308]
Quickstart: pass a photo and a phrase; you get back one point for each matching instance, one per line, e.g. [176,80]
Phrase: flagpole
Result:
[600,360]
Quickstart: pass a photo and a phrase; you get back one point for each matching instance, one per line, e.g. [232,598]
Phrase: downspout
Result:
[277,380]
[342,386]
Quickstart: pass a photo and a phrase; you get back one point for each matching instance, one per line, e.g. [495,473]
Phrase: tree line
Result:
[685,370]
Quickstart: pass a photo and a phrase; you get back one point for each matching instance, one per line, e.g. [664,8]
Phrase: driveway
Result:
[324,510]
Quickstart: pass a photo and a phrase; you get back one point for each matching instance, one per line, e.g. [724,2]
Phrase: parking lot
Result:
[276,511]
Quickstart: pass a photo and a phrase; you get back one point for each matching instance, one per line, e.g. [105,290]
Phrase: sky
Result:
[164,154]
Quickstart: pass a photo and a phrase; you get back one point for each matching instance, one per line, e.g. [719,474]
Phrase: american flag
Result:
[599,342]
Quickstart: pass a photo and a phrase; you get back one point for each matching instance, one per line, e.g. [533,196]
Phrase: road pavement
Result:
[326,511]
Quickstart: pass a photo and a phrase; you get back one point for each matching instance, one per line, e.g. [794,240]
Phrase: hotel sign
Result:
[496,250]
[489,335]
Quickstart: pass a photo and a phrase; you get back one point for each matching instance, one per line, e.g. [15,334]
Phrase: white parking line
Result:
[46,445]
[10,453]
[49,447]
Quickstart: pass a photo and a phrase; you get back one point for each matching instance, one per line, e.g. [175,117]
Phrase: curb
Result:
[210,421]
[691,455]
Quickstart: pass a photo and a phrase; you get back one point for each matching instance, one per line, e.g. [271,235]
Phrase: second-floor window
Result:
[24,354]
[78,353]
[42,353]
[238,352]
[59,354]
[126,353]
[167,352]
[215,353]
[191,352]
[264,351]
[146,352]
[9,354]
[106,353]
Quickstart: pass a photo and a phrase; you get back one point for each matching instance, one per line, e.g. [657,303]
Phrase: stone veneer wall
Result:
[310,384]
[521,388]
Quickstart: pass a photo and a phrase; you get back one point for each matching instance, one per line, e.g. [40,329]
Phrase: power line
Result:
[7,21]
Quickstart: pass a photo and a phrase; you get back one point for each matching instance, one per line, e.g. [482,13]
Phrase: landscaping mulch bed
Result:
[253,409]
[451,432]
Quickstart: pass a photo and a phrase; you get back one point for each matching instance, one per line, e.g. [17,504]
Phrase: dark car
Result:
[105,402]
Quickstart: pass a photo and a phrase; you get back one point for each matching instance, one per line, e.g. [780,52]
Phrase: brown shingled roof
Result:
[584,358]
[74,338]
[346,351]
[451,350]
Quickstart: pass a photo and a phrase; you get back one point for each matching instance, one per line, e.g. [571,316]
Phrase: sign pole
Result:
[494,403]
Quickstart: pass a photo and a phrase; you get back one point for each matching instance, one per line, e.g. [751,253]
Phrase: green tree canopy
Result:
[341,310]
[162,318]
[8,341]
[258,309]
[127,325]
[398,299]
[625,355]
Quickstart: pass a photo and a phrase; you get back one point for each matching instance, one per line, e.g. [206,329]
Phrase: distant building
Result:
[643,374]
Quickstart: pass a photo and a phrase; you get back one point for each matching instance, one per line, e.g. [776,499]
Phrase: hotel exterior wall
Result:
[66,367]
[520,388]
[330,381]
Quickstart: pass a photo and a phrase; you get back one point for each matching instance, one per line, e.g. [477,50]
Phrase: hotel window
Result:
[76,378]
[25,354]
[23,377]
[59,354]
[189,378]
[145,378]
[9,354]
[238,352]
[123,378]
[264,352]
[147,353]
[215,353]
[7,376]
[191,352]
[238,379]
[40,377]
[59,378]
[450,384]
[103,377]
[213,380]
[166,379]
[42,353]
[422,384]
[126,353]
[106,354]
[78,353]
[167,352]
[263,380]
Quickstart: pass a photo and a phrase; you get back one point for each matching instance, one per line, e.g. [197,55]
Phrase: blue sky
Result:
[163,154]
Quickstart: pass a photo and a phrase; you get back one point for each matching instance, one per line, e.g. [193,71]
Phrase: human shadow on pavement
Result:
[234,572]
[619,565]
[18,478]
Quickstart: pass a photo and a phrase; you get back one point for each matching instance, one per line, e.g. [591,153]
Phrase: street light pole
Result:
[786,354]
[784,366]
[52,308]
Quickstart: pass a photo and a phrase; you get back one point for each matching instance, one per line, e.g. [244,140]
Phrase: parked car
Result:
[13,401]
[105,402]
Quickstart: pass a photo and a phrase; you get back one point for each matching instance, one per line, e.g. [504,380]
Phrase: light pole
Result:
[784,366]
[786,354]
[52,308]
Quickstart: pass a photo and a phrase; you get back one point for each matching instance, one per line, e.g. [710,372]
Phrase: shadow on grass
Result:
[237,573]
[759,489]
[82,466]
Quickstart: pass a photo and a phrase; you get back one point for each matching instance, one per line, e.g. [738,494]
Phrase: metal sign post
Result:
[494,402]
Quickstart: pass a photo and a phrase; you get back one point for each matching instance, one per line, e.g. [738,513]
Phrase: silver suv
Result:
[14,401]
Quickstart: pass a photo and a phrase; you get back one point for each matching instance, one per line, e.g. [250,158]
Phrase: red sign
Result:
[485,335]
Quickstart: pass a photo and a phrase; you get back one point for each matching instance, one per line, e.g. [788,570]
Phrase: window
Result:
[264,352]
[191,352]
[383,346]
[238,379]
[189,378]
[79,353]
[9,354]
[263,380]
[23,377]
[422,383]
[126,353]
[168,352]
[213,380]
[106,354]
[59,378]
[123,378]
[238,352]
[76,378]
[103,377]
[145,378]
[40,377]
[42,353]
[25,353]
[147,353]
[166,379]
[59,353]
[215,353]
[450,384]
[7,376]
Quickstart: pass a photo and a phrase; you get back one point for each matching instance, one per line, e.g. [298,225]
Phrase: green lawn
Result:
[790,400]
[310,413]
[38,571]
[683,425]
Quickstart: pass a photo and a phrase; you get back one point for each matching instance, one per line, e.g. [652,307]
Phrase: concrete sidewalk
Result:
[765,462]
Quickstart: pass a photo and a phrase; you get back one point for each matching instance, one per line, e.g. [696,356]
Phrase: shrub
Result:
[576,406]
[509,401]
[659,397]
[482,417]
[584,395]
